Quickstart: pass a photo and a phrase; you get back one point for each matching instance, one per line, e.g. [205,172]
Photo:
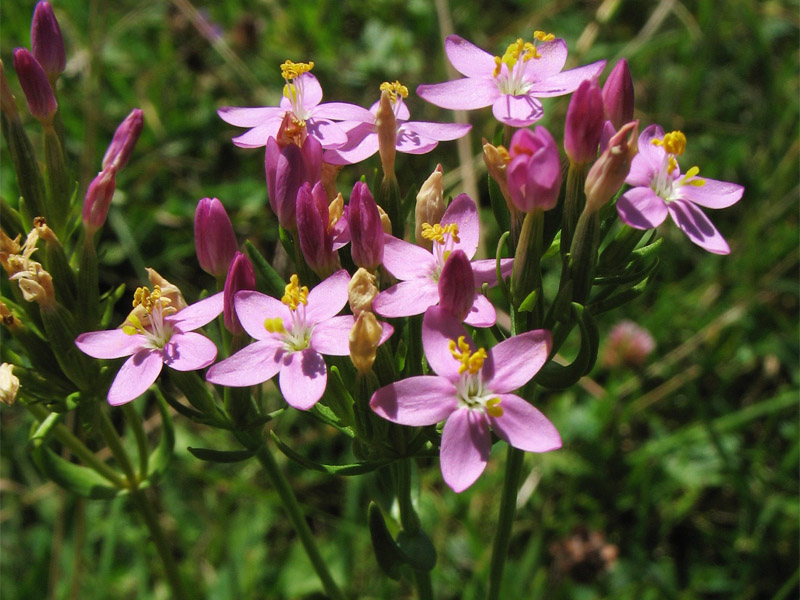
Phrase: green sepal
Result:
[62,274]
[346,470]
[601,306]
[61,331]
[558,377]
[287,242]
[11,219]
[326,415]
[88,284]
[387,553]
[417,550]
[529,303]
[338,398]
[58,183]
[268,279]
[159,460]
[221,456]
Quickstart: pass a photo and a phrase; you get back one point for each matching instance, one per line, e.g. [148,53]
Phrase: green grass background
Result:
[688,466]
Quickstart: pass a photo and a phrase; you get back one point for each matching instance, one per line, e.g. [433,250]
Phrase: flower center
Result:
[152,307]
[509,69]
[444,238]
[293,90]
[665,183]
[298,335]
[470,389]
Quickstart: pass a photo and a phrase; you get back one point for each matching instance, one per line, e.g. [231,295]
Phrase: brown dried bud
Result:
[386,126]
[361,291]
[365,336]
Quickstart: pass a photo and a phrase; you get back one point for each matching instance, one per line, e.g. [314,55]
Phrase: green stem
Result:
[114,442]
[135,422]
[289,501]
[408,516]
[148,512]
[502,538]
[424,586]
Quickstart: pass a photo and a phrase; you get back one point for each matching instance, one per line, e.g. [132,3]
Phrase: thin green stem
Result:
[114,442]
[135,422]
[424,585]
[408,516]
[502,538]
[150,518]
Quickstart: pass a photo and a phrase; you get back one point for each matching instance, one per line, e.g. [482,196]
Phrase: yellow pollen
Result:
[493,408]
[294,295]
[521,50]
[290,70]
[137,326]
[543,37]
[674,143]
[470,361]
[274,325]
[394,90]
[693,173]
[149,300]
[437,232]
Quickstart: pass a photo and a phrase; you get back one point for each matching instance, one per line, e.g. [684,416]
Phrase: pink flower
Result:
[628,344]
[511,84]
[302,95]
[159,337]
[291,336]
[534,173]
[471,392]
[419,269]
[659,189]
[41,99]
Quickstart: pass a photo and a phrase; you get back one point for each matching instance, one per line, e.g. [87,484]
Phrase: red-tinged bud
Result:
[292,131]
[316,239]
[618,95]
[214,238]
[457,285]
[98,199]
[41,100]
[124,140]
[241,276]
[287,168]
[608,173]
[366,230]
[534,173]
[46,41]
[584,123]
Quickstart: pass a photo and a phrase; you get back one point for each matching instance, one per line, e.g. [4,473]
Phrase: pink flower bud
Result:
[41,100]
[287,168]
[584,122]
[46,41]
[608,173]
[618,95]
[214,238]
[98,199]
[313,219]
[366,231]
[457,285]
[534,173]
[124,140]
[241,276]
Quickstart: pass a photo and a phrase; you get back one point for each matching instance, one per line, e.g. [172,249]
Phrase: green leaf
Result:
[417,549]
[77,479]
[529,303]
[558,377]
[268,278]
[160,458]
[387,553]
[499,206]
[346,470]
[221,456]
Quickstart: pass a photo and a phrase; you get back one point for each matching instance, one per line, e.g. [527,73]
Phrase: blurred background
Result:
[679,473]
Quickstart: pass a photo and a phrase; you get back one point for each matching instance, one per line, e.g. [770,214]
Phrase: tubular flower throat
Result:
[471,391]
[518,53]
[293,90]
[674,144]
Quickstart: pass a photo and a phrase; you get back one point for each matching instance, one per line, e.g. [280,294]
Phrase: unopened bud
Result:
[430,205]
[241,276]
[328,177]
[584,123]
[41,100]
[124,140]
[98,199]
[457,285]
[214,239]
[365,337]
[534,173]
[386,126]
[9,384]
[47,42]
[316,239]
[361,291]
[366,231]
[608,173]
[618,97]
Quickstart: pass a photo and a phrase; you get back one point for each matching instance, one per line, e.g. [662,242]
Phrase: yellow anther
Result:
[470,361]
[699,182]
[136,326]
[520,50]
[493,408]
[147,299]
[437,232]
[395,89]
[294,295]
[290,70]
[673,142]
[274,325]
[543,37]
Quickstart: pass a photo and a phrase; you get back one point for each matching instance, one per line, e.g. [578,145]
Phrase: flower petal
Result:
[312,90]
[566,82]
[113,343]
[463,212]
[253,308]
[198,314]
[303,378]
[641,208]
[363,143]
[243,116]
[466,444]
[332,336]
[405,260]
[416,401]
[135,377]
[258,136]
[517,111]
[482,313]
[514,361]
[460,94]
[406,298]
[328,298]
[524,427]
[329,134]
[439,328]
[714,194]
[411,142]
[467,58]
[553,58]
[189,351]
[485,271]
[441,132]
[342,111]
[694,223]
[251,365]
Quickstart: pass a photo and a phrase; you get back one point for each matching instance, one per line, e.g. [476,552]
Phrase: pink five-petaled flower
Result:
[658,188]
[159,337]
[413,137]
[418,269]
[291,335]
[302,95]
[511,84]
[472,391]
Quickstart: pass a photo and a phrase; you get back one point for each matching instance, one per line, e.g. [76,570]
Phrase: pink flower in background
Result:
[291,335]
[471,392]
[302,95]
[659,188]
[511,84]
[628,344]
[419,269]
[159,337]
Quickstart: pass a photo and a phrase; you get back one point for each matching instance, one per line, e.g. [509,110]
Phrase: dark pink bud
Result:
[534,173]
[316,240]
[241,276]
[618,95]
[41,100]
[366,231]
[98,199]
[124,140]
[46,41]
[214,238]
[584,122]
[287,169]
[457,285]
